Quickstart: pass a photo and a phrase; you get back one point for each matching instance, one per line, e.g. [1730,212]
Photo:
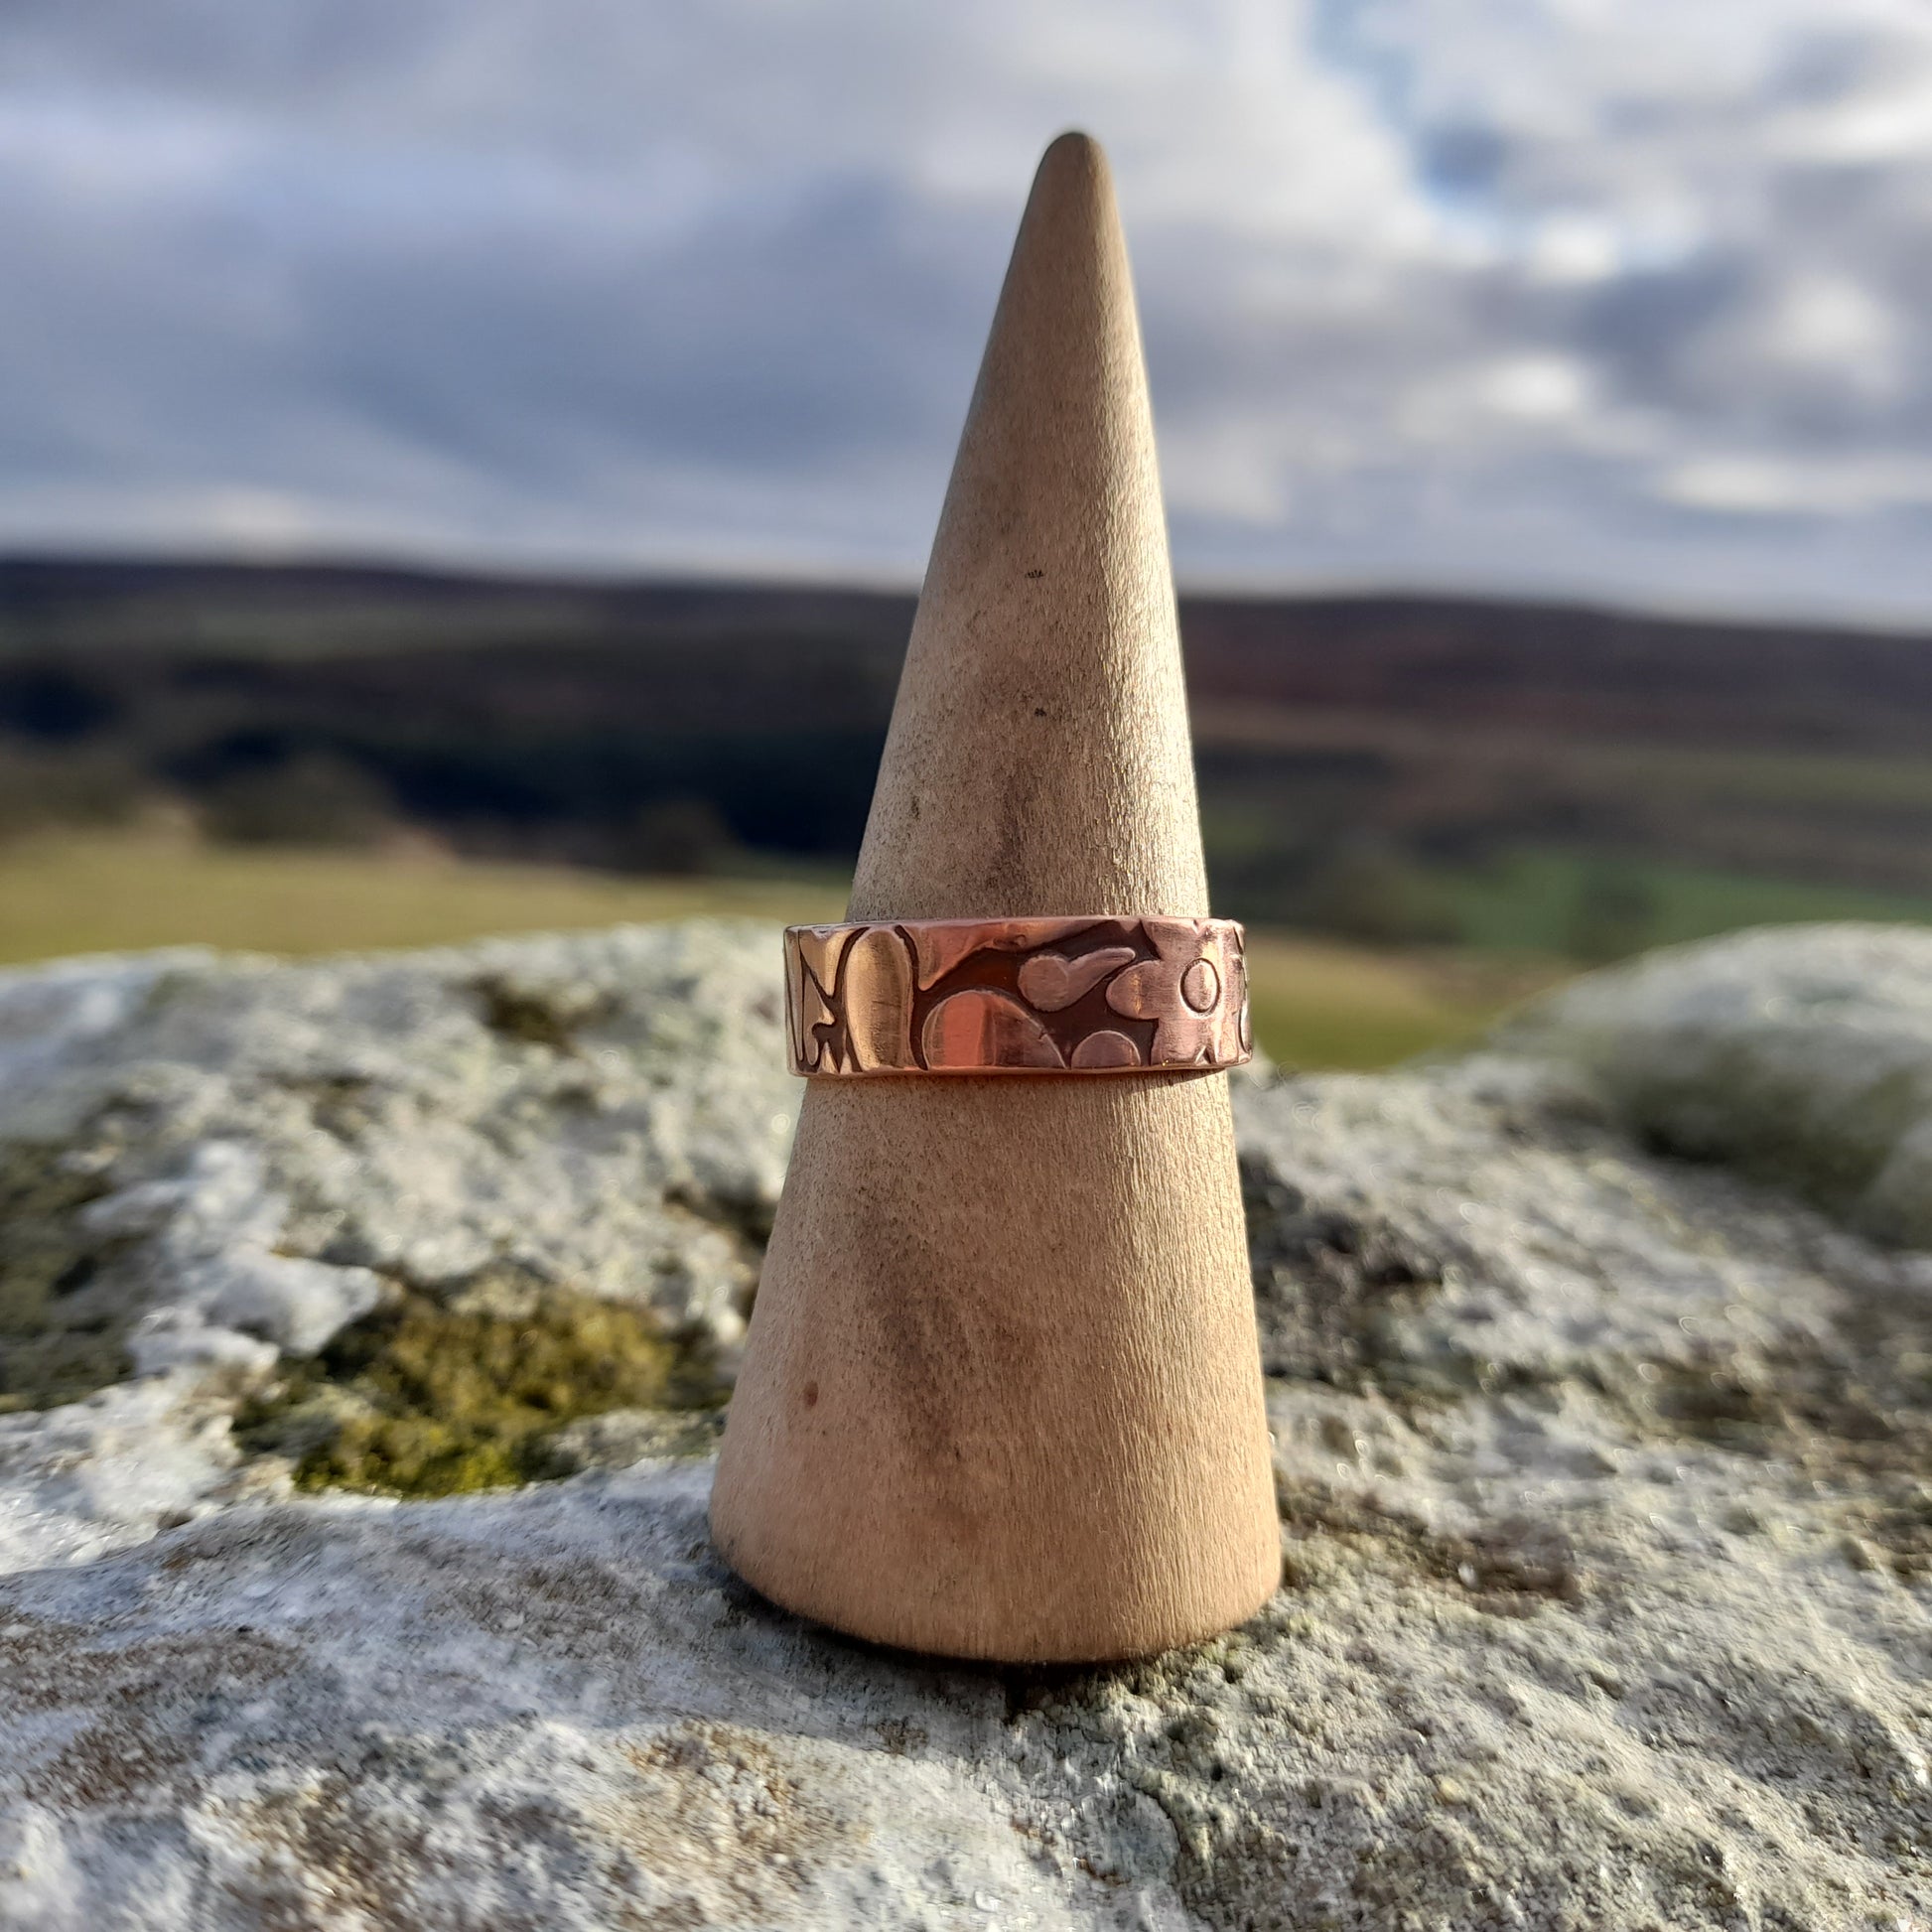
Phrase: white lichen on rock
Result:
[1603,1475]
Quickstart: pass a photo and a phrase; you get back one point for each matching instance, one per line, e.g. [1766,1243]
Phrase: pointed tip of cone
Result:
[1038,760]
[1075,148]
[1074,171]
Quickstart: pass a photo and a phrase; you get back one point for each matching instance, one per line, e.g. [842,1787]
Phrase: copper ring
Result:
[1092,995]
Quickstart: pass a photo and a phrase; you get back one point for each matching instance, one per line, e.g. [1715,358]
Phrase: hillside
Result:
[1392,769]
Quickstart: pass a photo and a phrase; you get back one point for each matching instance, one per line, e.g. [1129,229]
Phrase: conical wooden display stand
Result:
[1002,1396]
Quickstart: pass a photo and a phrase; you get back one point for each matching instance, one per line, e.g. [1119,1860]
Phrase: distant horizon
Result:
[777,576]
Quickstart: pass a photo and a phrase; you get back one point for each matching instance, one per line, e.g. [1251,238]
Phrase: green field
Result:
[79,893]
[1321,1004]
[1547,900]
[1318,1003]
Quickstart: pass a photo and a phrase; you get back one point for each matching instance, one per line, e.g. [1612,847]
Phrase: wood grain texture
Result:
[1002,1395]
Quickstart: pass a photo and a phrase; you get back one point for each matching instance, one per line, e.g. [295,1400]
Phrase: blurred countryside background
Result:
[467,469]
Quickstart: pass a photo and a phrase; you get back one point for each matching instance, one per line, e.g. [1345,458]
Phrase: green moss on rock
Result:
[426,1398]
[58,1341]
[538,1015]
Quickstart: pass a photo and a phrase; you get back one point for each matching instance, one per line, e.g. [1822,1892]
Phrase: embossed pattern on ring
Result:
[1095,995]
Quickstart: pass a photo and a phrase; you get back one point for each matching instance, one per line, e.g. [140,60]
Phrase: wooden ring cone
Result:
[1001,1394]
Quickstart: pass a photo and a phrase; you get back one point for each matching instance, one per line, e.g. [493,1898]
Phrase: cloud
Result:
[1630,300]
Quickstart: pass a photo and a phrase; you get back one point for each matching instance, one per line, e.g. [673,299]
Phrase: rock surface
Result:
[1808,1061]
[206,1164]
[1603,1480]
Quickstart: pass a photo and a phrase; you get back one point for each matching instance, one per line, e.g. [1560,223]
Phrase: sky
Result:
[1618,299]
